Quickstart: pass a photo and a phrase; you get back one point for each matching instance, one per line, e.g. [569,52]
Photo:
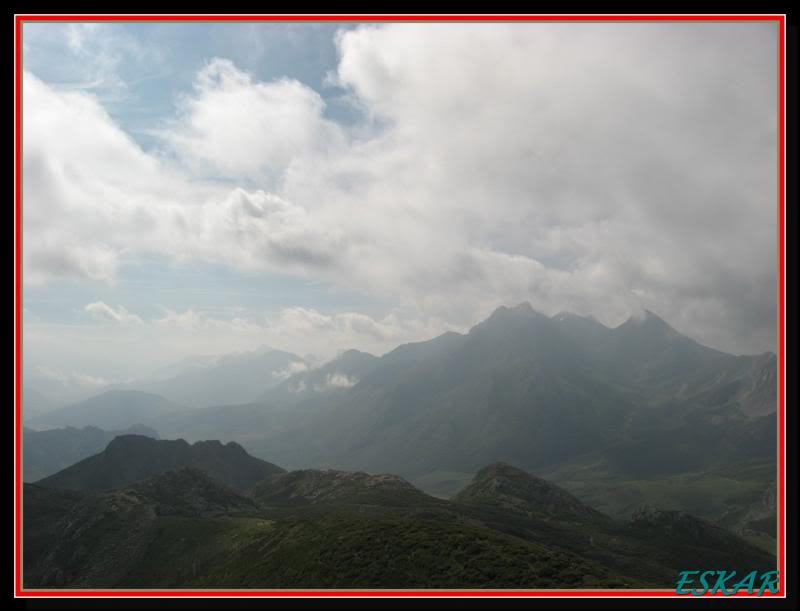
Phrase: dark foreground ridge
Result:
[183,527]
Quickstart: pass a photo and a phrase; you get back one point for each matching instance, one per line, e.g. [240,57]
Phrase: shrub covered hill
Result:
[170,515]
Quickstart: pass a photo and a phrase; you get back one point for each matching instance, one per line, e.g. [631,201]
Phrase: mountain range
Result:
[110,410]
[231,378]
[202,381]
[520,387]
[620,416]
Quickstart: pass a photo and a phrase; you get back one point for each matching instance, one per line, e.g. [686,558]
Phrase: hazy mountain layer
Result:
[526,389]
[230,379]
[111,410]
[36,403]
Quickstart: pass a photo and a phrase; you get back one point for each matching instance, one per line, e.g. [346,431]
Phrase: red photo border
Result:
[780,20]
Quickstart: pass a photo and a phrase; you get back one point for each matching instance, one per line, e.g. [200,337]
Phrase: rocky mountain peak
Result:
[513,489]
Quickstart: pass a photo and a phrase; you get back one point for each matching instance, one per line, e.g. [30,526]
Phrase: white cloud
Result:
[73,378]
[243,128]
[91,196]
[102,311]
[190,321]
[340,380]
[93,199]
[293,368]
[258,230]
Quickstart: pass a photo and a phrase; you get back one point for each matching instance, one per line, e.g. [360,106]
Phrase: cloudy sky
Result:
[207,188]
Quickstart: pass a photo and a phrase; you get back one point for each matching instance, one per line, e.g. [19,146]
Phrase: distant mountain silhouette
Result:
[230,379]
[133,458]
[49,451]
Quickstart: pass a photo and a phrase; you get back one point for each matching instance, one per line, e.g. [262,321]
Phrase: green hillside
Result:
[334,529]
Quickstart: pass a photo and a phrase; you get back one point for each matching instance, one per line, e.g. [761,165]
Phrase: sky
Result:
[193,189]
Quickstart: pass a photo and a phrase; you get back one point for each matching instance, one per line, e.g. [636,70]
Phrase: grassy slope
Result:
[343,549]
[330,545]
